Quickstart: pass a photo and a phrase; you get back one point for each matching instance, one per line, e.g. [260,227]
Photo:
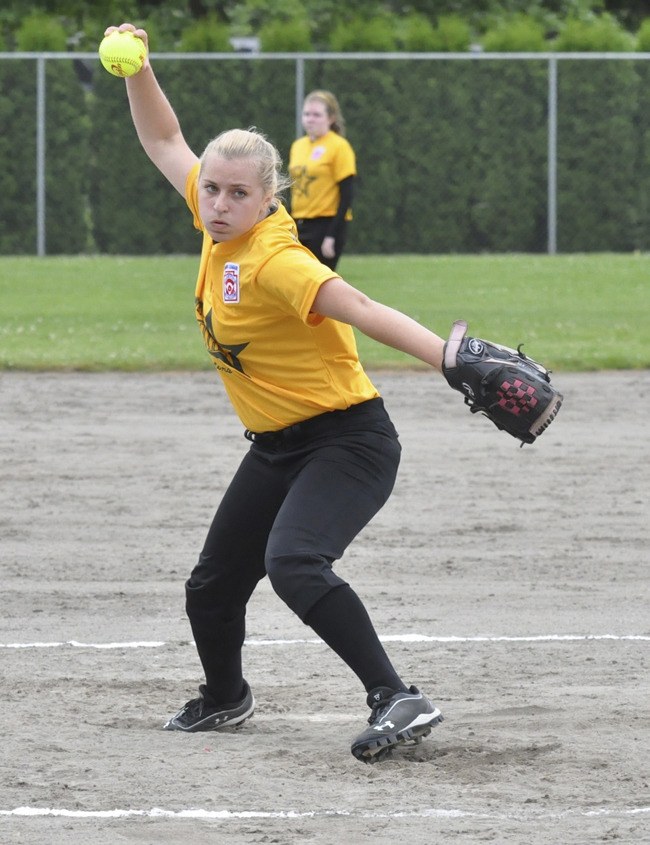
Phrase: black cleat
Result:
[198,715]
[396,718]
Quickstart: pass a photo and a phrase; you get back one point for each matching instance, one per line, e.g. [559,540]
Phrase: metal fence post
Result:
[552,156]
[40,157]
[300,93]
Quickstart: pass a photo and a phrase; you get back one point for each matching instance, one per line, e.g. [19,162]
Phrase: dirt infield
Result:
[510,584]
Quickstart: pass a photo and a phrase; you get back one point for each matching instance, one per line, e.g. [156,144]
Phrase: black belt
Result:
[327,423]
[301,221]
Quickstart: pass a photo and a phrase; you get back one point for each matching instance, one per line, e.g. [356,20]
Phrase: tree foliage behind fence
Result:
[452,154]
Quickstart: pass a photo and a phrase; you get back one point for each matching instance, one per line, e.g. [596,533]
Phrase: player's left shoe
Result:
[396,718]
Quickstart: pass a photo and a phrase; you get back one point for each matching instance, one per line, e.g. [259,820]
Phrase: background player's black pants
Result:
[312,231]
[298,499]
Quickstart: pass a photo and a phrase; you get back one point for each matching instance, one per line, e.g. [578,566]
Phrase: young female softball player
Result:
[323,169]
[323,452]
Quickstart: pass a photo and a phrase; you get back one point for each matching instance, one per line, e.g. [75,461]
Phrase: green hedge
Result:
[643,157]
[452,154]
[599,163]
[66,158]
[18,155]
[510,155]
[131,202]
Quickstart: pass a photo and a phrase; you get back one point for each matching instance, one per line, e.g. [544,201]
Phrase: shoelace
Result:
[377,707]
[195,707]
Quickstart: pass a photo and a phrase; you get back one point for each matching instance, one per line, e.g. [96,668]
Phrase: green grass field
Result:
[574,312]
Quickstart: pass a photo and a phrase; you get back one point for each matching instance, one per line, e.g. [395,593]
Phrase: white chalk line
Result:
[392,638]
[230,815]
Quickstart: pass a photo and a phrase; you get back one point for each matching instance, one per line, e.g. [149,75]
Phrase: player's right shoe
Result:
[396,718]
[199,715]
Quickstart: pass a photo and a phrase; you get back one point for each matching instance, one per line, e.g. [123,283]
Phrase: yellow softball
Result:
[122,53]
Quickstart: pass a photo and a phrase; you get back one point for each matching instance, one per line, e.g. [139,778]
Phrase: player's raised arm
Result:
[340,301]
[155,121]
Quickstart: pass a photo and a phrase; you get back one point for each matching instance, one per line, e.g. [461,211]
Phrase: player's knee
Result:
[281,572]
[300,580]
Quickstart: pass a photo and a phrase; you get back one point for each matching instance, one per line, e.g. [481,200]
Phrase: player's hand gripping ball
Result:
[122,53]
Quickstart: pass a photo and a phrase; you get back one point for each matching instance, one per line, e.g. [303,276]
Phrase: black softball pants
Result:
[313,230]
[297,500]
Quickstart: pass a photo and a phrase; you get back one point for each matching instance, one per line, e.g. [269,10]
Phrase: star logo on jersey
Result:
[301,181]
[228,353]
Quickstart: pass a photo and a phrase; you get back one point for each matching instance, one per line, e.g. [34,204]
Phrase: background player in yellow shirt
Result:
[323,169]
[324,453]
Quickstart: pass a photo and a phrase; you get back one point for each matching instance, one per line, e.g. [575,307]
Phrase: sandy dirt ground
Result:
[510,584]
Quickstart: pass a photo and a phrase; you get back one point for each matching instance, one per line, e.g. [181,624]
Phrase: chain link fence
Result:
[457,153]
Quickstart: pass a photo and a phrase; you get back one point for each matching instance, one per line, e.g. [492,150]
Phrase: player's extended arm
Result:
[155,121]
[340,301]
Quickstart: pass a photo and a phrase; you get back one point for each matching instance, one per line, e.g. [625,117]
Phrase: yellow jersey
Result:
[279,362]
[316,168]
